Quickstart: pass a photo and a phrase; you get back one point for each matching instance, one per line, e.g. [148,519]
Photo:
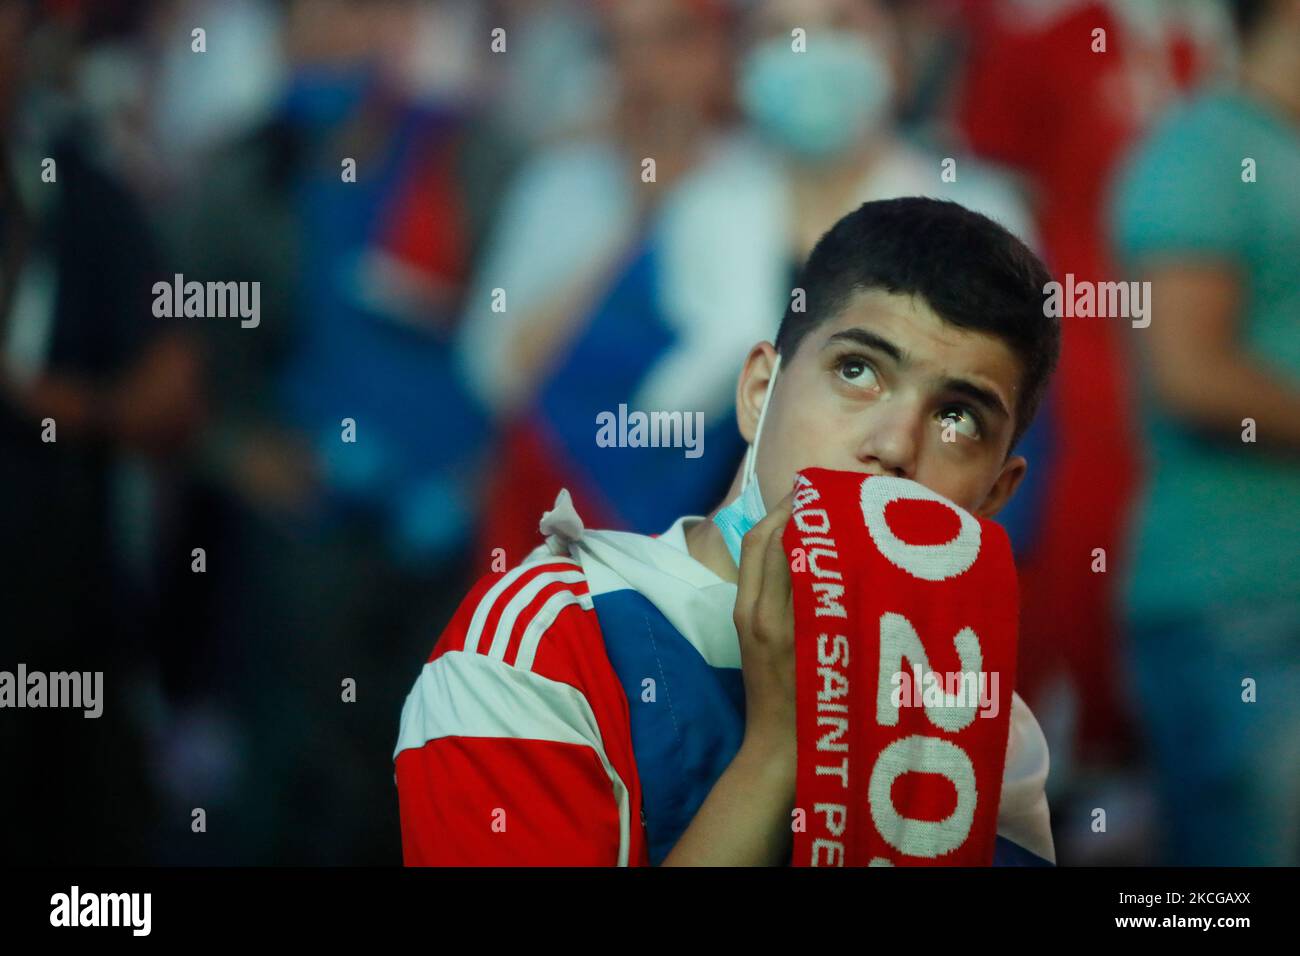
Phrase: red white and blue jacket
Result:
[578,709]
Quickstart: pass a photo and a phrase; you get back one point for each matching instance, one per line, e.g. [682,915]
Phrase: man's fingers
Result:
[754,549]
[752,546]
[774,592]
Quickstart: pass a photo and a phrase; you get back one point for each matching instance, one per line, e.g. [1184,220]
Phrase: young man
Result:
[623,699]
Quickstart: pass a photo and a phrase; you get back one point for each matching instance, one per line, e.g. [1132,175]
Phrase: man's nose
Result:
[892,439]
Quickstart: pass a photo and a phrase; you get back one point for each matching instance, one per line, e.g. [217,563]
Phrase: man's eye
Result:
[961,420]
[858,372]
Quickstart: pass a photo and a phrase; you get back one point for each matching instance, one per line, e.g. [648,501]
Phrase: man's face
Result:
[771,18]
[668,58]
[878,389]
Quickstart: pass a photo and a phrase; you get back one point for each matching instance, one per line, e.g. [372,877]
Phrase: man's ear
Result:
[1013,472]
[752,386]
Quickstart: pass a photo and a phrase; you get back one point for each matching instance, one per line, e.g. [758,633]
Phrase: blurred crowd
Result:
[476,224]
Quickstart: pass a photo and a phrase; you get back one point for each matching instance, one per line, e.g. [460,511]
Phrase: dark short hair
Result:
[971,271]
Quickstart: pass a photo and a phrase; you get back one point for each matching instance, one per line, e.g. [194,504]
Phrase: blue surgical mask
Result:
[816,103]
[748,509]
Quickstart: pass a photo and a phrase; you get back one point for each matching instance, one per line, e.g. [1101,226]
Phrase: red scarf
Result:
[900,598]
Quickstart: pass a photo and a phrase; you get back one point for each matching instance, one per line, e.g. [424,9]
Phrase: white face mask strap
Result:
[751,456]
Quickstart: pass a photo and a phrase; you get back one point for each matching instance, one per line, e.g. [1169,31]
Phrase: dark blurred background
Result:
[498,150]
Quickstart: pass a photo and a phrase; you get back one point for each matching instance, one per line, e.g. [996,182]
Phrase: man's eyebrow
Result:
[961,386]
[978,393]
[872,341]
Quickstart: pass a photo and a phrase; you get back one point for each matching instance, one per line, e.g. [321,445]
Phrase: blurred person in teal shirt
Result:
[1208,211]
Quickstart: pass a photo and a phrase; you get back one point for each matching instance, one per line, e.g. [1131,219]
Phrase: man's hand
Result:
[764,619]
[745,820]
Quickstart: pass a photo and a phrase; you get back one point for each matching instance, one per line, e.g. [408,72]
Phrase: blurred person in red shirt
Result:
[1040,94]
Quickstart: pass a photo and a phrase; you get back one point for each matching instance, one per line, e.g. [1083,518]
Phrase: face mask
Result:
[748,509]
[818,102]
